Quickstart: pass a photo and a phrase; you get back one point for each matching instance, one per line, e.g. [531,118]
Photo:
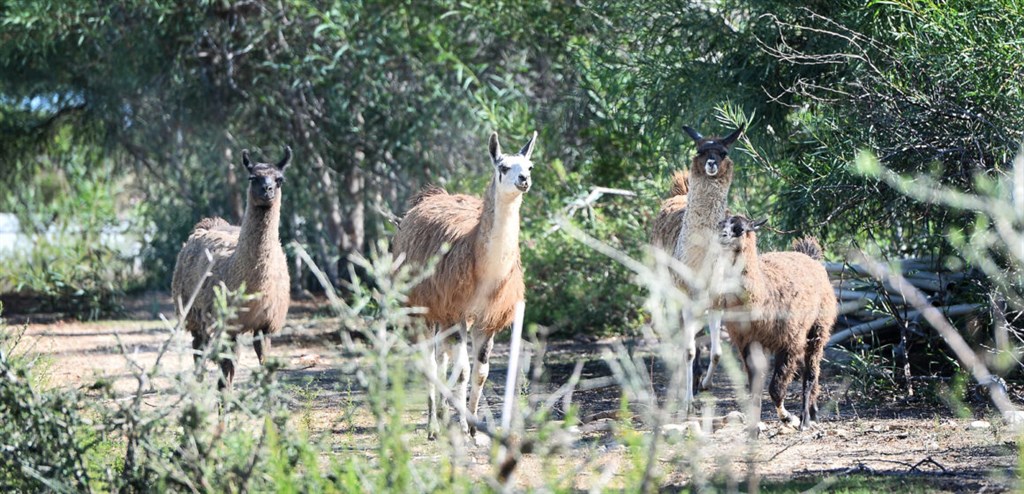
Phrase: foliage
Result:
[41,446]
[78,246]
[931,89]
[380,97]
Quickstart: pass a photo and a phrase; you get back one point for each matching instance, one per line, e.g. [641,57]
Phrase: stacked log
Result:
[867,306]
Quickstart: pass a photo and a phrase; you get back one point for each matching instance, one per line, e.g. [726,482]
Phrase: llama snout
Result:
[266,193]
[523,183]
[711,167]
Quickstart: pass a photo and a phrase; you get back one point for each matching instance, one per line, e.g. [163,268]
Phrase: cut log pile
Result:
[867,306]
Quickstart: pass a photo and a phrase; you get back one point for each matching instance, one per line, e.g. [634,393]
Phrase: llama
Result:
[784,302]
[478,281]
[687,225]
[250,254]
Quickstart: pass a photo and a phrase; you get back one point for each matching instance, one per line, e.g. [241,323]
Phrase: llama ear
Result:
[528,148]
[756,225]
[731,138]
[281,165]
[693,134]
[494,147]
[245,160]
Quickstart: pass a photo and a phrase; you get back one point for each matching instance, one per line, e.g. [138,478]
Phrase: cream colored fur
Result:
[687,226]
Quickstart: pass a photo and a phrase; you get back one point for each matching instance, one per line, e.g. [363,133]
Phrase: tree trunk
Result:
[237,205]
[333,219]
[353,238]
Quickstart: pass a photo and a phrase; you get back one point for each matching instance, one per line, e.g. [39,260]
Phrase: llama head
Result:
[265,179]
[734,228]
[512,171]
[712,158]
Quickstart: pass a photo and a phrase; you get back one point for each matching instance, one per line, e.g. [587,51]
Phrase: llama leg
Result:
[483,343]
[199,339]
[812,369]
[785,368]
[462,373]
[227,365]
[444,361]
[261,343]
[432,426]
[715,328]
[689,356]
[755,363]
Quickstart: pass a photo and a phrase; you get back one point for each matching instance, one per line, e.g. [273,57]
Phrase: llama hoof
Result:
[481,441]
[758,429]
[792,421]
[704,384]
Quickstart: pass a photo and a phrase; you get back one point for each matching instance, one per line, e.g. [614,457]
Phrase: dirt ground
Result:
[919,440]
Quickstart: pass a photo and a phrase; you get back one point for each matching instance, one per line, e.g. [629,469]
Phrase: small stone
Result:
[735,417]
[980,424]
[690,428]
[307,360]
[1014,418]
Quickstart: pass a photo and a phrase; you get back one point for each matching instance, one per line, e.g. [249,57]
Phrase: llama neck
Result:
[259,238]
[705,208]
[753,277]
[709,197]
[498,237]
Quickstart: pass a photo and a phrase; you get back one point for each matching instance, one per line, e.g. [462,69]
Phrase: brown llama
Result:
[478,280]
[250,254]
[782,301]
[687,225]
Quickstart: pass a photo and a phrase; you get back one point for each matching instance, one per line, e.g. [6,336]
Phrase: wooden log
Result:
[938,276]
[871,326]
[909,265]
[931,285]
[926,262]
[845,294]
[851,306]
[846,269]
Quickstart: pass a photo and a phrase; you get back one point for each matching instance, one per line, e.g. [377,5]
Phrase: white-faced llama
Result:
[250,254]
[478,280]
[687,226]
[784,302]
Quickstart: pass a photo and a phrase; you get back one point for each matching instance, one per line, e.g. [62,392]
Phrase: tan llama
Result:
[250,254]
[478,280]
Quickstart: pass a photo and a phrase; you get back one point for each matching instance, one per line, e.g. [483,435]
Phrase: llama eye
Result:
[503,169]
[280,180]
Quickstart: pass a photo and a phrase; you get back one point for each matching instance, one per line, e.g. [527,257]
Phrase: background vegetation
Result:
[122,123]
[131,115]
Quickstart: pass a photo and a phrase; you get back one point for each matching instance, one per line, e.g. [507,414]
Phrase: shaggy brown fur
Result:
[785,303]
[250,254]
[810,247]
[464,223]
[479,280]
[666,226]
